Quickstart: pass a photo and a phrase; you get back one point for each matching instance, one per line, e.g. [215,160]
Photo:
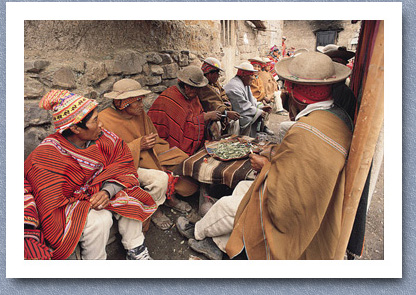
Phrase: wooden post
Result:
[369,121]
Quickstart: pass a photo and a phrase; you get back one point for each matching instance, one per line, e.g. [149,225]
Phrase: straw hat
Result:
[212,61]
[246,66]
[192,76]
[267,60]
[126,88]
[312,68]
[257,59]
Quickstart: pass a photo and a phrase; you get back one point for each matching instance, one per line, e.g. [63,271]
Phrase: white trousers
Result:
[96,232]
[219,221]
[155,182]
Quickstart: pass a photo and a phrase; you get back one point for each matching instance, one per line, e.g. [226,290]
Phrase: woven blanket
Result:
[206,169]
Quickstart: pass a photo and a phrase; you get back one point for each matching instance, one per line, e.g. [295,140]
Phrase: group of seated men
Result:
[118,164]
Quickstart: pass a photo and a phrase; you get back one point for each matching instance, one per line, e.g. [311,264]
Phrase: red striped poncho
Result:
[34,247]
[63,178]
[178,120]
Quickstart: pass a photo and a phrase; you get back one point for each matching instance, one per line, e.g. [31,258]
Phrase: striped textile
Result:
[206,169]
[31,218]
[64,177]
[34,247]
[206,68]
[178,120]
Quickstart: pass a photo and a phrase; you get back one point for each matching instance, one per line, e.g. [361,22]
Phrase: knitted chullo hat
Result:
[68,108]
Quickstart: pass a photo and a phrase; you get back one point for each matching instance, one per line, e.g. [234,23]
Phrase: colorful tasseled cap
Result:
[68,108]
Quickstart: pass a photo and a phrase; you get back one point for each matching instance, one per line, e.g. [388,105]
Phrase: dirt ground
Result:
[170,245]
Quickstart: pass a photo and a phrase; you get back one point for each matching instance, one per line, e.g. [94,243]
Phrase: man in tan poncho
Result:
[271,87]
[152,155]
[293,208]
[258,88]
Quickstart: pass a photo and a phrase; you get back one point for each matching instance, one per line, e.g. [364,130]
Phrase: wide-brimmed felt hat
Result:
[312,68]
[212,61]
[256,59]
[246,66]
[126,88]
[192,76]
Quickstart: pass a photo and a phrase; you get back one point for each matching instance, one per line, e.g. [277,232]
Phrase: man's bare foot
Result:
[178,205]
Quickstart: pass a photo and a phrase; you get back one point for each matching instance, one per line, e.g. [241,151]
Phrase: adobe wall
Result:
[300,34]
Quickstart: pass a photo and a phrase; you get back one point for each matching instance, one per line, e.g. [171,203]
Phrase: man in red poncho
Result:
[79,177]
[178,115]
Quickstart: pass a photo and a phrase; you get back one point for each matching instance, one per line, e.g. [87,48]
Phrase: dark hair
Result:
[181,84]
[82,124]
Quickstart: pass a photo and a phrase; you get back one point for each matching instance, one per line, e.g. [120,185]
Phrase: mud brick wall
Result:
[301,34]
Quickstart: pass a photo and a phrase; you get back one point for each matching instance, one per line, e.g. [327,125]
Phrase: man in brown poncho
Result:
[213,98]
[293,208]
[152,155]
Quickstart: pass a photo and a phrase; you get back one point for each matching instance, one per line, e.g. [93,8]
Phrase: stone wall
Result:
[301,34]
[92,78]
[88,57]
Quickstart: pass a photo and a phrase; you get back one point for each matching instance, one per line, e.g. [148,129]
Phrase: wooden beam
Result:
[369,122]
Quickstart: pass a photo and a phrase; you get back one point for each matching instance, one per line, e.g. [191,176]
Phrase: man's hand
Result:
[148,141]
[99,200]
[257,162]
[213,116]
[233,115]
[267,109]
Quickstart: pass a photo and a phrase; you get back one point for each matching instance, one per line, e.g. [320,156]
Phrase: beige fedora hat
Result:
[312,68]
[126,88]
[193,76]
[257,59]
[246,66]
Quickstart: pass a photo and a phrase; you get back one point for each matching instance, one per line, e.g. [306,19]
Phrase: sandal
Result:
[181,206]
[185,228]
[162,222]
[206,247]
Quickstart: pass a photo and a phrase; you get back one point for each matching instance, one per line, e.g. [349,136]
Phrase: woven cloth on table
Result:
[206,169]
